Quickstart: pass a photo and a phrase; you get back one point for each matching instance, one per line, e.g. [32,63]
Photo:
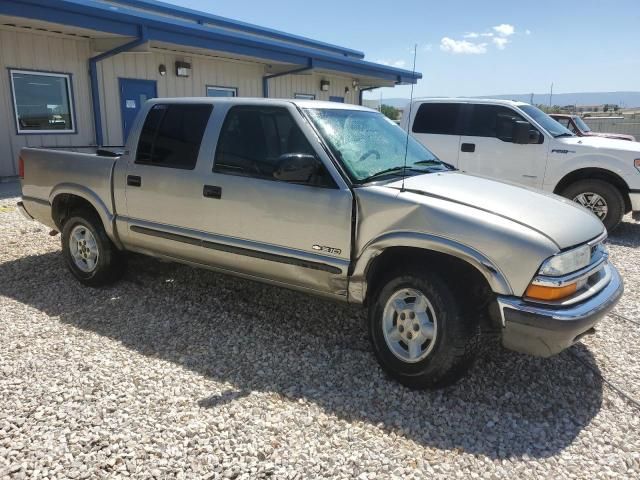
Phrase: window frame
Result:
[458,127]
[72,104]
[220,87]
[304,96]
[332,181]
[172,165]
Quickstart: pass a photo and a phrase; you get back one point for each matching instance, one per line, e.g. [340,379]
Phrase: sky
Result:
[470,47]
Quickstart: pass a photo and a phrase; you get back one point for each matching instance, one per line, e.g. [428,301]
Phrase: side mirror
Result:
[296,167]
[534,136]
[520,132]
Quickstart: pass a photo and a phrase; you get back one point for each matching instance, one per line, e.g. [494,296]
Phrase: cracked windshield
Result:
[371,146]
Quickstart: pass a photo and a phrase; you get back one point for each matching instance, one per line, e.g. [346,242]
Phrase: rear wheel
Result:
[601,197]
[419,332]
[89,253]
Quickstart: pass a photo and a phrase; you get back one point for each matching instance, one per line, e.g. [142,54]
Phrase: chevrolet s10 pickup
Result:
[338,201]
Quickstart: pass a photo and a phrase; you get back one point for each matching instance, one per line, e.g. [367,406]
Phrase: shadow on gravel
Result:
[626,235]
[262,338]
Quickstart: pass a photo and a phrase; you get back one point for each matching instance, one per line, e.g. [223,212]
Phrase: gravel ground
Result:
[183,373]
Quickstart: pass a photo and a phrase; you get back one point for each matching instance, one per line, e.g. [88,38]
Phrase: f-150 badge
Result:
[324,248]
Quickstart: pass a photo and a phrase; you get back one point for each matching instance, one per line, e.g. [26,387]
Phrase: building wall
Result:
[46,51]
[41,51]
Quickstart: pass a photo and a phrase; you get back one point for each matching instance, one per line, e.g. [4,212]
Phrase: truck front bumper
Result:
[543,331]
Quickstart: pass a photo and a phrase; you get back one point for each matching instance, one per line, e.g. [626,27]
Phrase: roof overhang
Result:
[102,18]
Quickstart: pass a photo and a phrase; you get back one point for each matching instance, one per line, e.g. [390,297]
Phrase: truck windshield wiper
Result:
[391,170]
[564,135]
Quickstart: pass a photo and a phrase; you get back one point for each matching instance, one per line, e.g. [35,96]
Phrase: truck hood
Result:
[619,136]
[611,145]
[562,221]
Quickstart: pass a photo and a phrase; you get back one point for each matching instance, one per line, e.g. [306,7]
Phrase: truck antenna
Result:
[406,145]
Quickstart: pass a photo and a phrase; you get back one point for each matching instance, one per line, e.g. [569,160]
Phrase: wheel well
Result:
[64,204]
[598,174]
[460,275]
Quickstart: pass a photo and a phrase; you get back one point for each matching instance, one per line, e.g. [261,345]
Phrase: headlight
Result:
[636,162]
[567,262]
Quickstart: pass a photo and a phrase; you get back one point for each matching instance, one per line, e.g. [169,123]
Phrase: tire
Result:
[444,358]
[97,261]
[582,192]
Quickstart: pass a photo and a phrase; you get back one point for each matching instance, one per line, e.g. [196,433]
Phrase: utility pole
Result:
[531,99]
[551,95]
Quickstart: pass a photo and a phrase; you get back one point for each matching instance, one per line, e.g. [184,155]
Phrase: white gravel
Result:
[176,372]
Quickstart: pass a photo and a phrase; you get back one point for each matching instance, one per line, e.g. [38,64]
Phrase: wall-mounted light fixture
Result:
[162,70]
[346,89]
[324,85]
[183,69]
[356,85]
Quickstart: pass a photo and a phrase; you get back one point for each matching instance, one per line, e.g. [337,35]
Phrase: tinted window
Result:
[171,135]
[491,121]
[438,118]
[253,140]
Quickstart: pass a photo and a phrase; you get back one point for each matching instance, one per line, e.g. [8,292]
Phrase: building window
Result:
[304,96]
[42,102]
[222,91]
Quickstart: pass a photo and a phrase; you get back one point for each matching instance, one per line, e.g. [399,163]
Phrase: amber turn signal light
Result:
[539,292]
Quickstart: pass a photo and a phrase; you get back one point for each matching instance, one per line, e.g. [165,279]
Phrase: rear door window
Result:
[494,121]
[172,134]
[438,118]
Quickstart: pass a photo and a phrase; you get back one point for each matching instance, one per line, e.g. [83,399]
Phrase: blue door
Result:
[133,94]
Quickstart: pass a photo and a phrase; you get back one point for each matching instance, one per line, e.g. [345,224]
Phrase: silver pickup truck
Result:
[334,200]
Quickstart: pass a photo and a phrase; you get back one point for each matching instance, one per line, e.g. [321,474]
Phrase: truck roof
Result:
[494,101]
[263,101]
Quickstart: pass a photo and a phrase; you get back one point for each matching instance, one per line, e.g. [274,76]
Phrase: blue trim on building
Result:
[95,87]
[126,21]
[202,18]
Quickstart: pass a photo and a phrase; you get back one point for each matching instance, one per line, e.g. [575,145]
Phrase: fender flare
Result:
[358,281]
[107,218]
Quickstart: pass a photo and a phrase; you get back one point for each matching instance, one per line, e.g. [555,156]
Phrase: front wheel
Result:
[89,253]
[419,333]
[601,197]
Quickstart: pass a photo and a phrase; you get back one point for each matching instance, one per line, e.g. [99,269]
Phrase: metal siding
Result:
[205,71]
[46,52]
[287,86]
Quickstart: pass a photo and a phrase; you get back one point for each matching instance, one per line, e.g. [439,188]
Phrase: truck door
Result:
[235,214]
[486,147]
[437,127]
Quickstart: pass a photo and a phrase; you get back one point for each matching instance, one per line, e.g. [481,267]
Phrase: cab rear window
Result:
[172,134]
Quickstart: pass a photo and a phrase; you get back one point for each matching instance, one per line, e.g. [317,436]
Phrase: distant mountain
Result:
[622,99]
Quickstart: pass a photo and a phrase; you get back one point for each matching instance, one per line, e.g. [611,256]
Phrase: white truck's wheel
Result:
[601,197]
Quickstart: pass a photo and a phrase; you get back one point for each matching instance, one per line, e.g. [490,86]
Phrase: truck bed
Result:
[49,172]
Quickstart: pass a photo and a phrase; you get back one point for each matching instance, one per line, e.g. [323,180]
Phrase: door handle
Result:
[211,191]
[134,181]
[468,147]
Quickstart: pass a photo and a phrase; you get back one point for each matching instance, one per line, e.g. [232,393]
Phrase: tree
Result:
[605,108]
[389,111]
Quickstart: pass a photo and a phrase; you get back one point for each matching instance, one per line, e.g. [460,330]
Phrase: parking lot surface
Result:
[183,373]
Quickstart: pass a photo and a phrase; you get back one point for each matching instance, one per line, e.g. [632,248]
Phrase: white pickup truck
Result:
[517,142]
[338,201]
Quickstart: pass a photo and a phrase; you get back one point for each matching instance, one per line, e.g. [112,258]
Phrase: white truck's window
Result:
[438,118]
[171,135]
[495,121]
[42,102]
[254,139]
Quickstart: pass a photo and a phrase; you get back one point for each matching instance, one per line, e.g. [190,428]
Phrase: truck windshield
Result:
[370,146]
[545,121]
[581,125]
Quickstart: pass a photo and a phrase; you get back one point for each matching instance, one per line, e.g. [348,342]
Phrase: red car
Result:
[577,126]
